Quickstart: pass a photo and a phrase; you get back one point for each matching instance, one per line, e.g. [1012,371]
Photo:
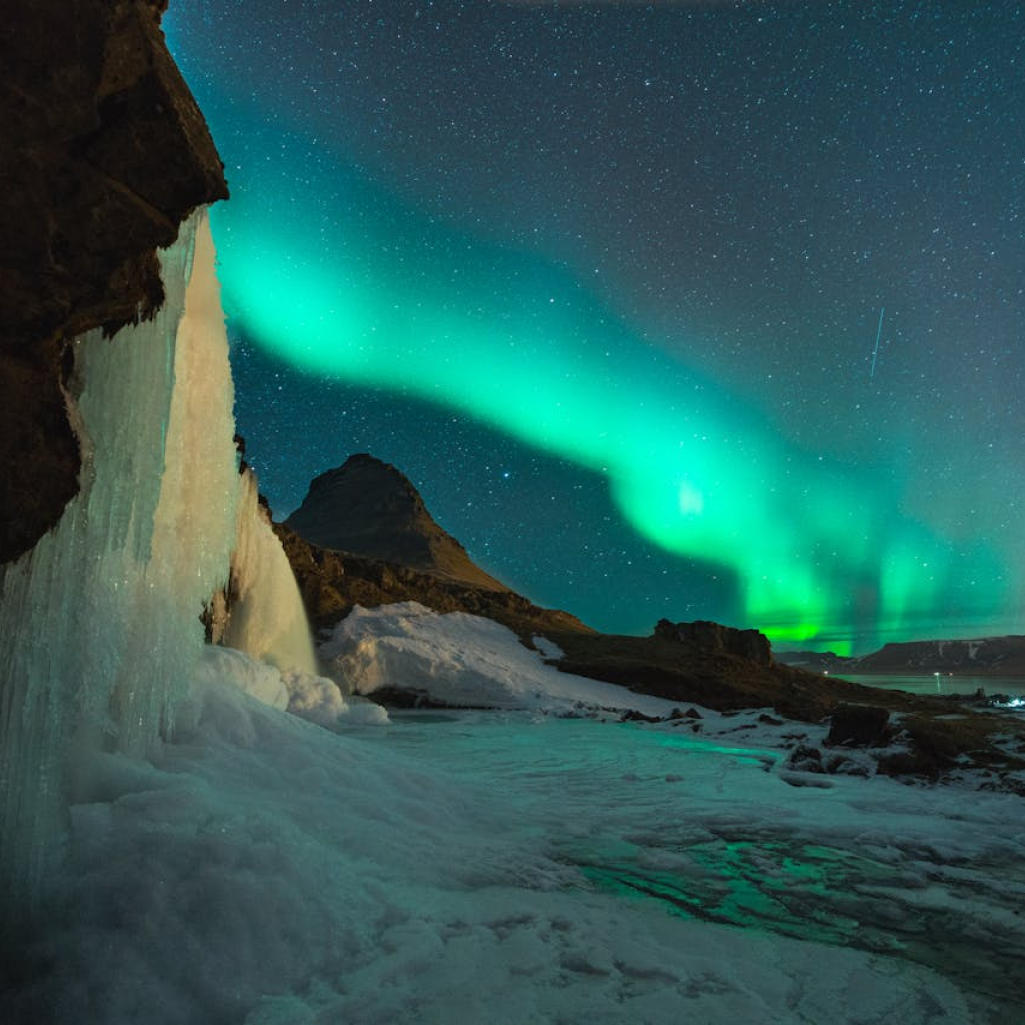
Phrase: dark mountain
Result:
[369,508]
[983,656]
[332,582]
[996,655]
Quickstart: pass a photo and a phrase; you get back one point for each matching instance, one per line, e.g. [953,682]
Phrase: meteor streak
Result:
[875,351]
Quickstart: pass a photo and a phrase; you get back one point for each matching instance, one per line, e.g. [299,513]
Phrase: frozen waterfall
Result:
[100,625]
[266,618]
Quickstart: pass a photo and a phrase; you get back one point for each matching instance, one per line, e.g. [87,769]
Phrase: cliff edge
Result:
[103,153]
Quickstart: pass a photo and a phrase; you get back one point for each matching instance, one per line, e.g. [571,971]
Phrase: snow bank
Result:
[459,660]
[306,695]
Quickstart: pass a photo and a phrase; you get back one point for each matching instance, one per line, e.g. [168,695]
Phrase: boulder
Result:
[859,726]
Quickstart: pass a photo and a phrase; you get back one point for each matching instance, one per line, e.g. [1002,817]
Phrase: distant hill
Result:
[995,656]
[369,508]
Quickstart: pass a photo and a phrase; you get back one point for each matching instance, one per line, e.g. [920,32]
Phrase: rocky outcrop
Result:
[370,509]
[103,153]
[705,636]
[686,673]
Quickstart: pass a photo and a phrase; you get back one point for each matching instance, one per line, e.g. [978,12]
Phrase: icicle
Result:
[100,622]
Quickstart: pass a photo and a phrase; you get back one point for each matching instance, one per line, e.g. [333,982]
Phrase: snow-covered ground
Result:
[516,866]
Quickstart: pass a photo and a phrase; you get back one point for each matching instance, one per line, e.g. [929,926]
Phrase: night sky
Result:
[697,310]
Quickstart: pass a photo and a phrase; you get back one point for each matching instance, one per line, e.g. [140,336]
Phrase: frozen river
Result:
[517,867]
[709,832]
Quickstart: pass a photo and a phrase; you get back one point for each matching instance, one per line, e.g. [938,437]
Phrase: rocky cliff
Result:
[103,153]
[985,655]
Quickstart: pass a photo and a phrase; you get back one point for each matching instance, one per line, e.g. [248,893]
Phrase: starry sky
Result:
[686,309]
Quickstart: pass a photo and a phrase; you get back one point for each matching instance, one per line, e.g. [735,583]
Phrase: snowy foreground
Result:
[515,866]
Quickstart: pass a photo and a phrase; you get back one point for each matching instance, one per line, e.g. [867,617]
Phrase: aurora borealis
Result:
[605,281]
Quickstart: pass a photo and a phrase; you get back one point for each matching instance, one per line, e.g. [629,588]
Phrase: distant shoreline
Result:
[995,674]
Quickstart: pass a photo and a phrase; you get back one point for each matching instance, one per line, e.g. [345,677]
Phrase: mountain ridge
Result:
[979,656]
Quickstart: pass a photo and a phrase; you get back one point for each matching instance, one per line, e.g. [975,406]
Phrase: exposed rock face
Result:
[689,673]
[713,637]
[103,153]
[369,508]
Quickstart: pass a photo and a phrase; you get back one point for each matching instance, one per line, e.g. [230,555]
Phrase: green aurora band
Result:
[359,286]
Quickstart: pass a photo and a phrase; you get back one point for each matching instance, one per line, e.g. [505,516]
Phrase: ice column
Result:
[100,622]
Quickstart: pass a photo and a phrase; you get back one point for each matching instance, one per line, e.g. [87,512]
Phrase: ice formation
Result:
[267,619]
[507,867]
[101,623]
[101,619]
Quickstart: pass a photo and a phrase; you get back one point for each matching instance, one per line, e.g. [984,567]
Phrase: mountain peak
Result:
[370,508]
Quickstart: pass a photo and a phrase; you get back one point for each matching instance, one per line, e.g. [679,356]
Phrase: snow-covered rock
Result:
[459,660]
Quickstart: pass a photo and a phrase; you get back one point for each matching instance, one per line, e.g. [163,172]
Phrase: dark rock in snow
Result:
[805,759]
[632,715]
[859,726]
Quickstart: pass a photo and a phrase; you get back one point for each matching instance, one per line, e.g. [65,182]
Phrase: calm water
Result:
[1013,686]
